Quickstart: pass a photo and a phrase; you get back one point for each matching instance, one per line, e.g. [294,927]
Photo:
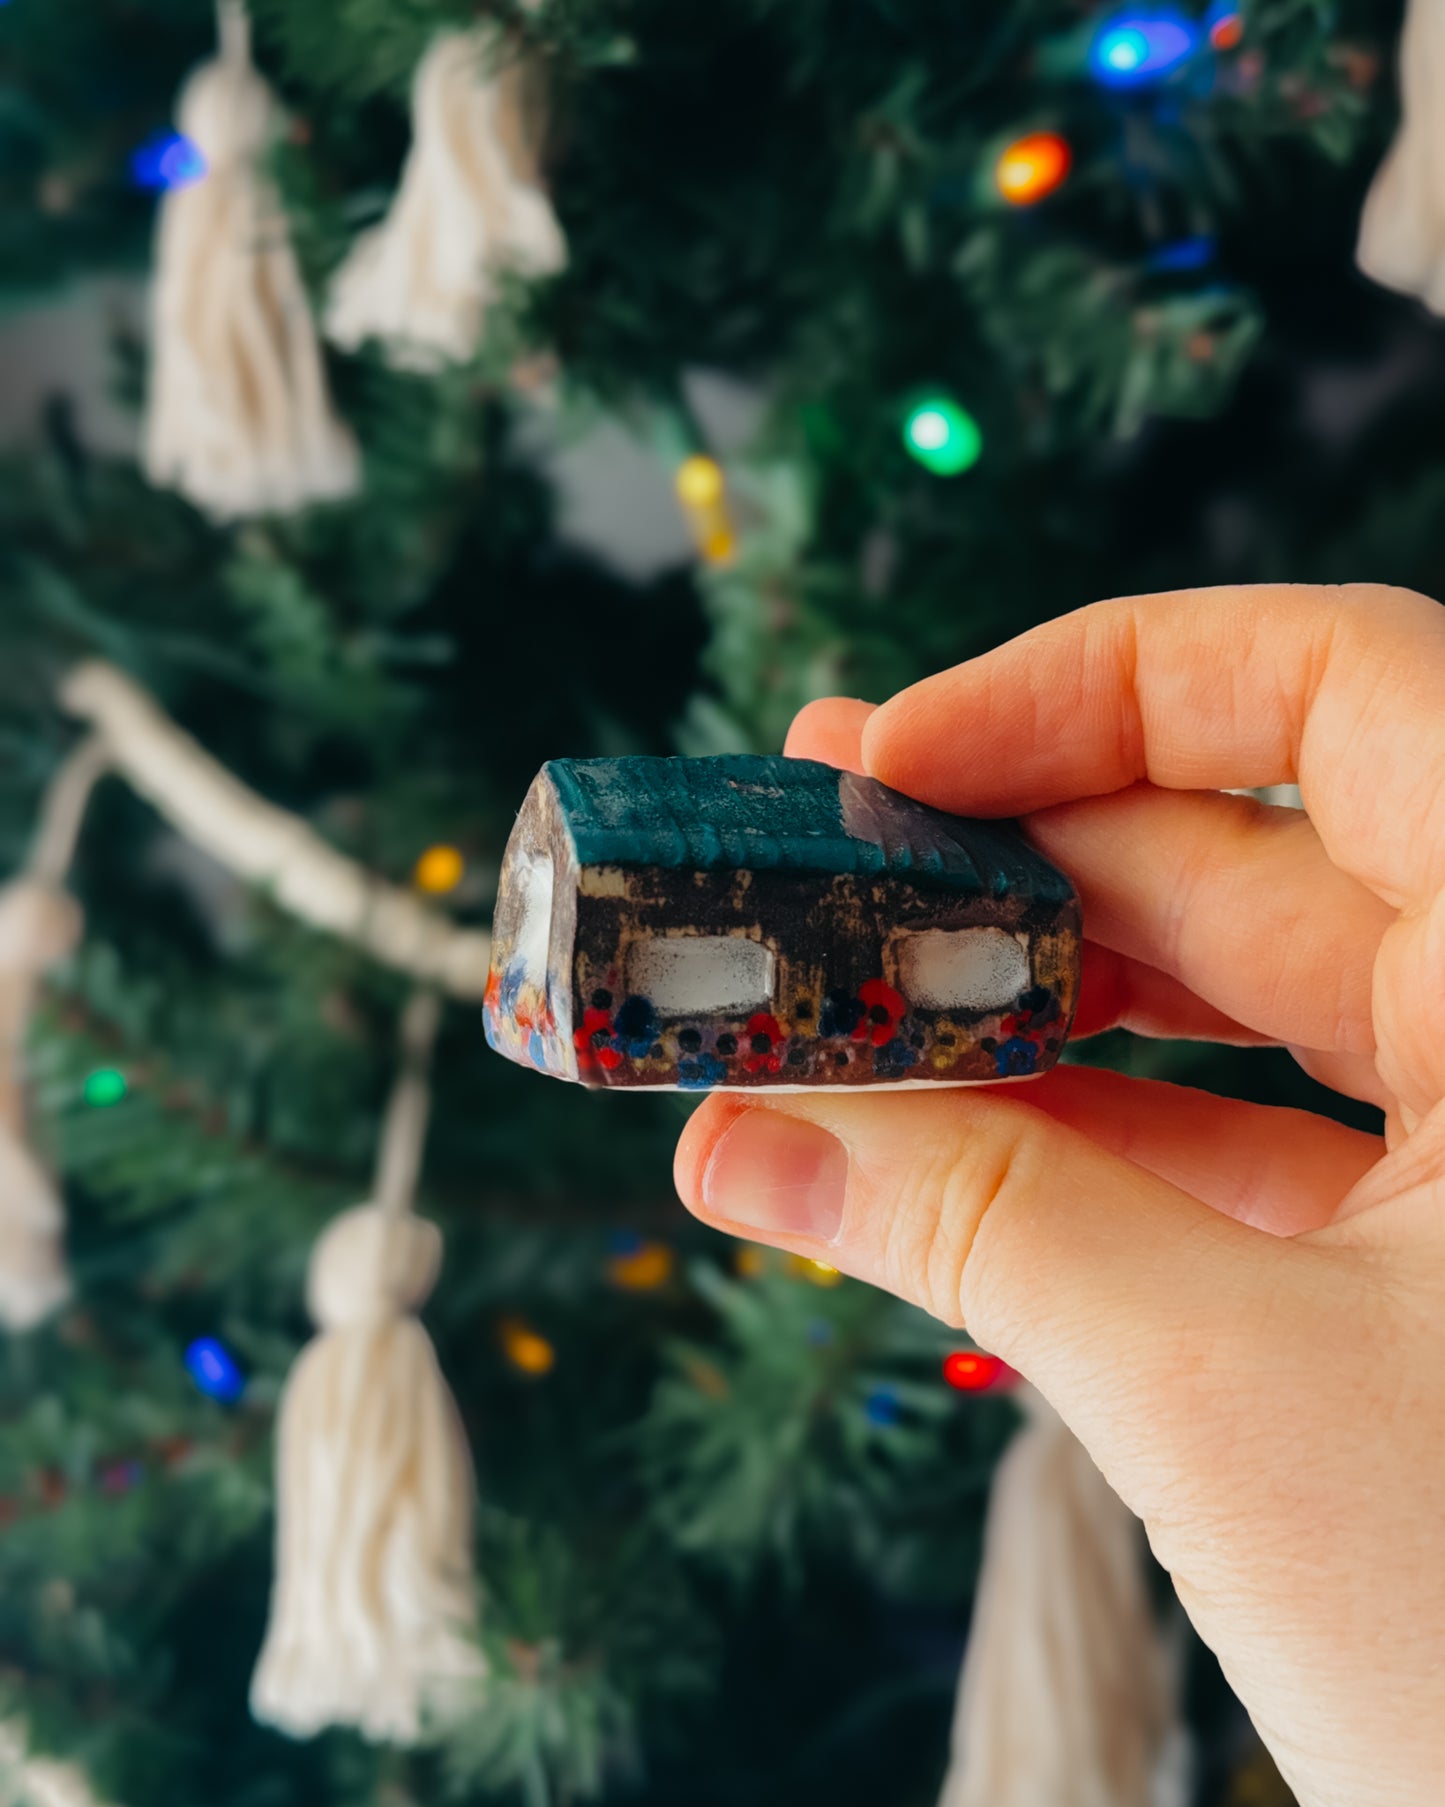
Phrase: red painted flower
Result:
[764,1034]
[592,1037]
[883,1010]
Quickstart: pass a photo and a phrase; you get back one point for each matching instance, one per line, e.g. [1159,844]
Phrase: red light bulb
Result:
[971,1371]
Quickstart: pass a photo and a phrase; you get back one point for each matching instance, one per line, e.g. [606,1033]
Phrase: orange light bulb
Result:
[439,870]
[1032,168]
[525,1349]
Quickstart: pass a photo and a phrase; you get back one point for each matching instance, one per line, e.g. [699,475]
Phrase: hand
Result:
[1239,1310]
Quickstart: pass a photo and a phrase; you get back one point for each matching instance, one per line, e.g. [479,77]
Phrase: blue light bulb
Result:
[1125,49]
[883,1407]
[167,160]
[215,1370]
[1184,254]
[1132,49]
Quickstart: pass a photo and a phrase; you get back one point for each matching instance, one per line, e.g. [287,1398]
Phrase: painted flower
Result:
[764,1033]
[895,1058]
[1015,1056]
[700,1072]
[883,1010]
[593,1041]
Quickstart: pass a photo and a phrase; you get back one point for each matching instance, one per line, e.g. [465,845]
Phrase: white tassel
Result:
[40,925]
[1402,230]
[33,1276]
[239,416]
[42,1781]
[373,1610]
[1066,1697]
[469,204]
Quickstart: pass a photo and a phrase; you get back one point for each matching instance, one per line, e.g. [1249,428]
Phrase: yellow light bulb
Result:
[720,545]
[699,482]
[817,1273]
[439,870]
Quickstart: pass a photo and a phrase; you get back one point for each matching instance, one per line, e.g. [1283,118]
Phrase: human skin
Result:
[1239,1310]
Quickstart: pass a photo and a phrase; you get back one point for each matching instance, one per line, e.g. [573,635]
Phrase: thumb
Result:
[1137,1310]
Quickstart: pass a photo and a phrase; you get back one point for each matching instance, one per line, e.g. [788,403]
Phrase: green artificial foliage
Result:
[728,1541]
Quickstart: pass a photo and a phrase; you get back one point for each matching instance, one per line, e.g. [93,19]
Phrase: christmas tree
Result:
[1036,302]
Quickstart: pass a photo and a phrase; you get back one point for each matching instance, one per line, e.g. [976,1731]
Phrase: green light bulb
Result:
[943,437]
[105,1086]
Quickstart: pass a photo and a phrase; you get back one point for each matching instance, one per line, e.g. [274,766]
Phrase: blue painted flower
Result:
[700,1073]
[1015,1056]
[894,1058]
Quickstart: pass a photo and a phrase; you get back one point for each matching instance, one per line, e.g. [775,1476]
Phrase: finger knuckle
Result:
[938,1251]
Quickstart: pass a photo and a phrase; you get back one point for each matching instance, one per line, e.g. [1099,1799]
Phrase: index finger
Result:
[1338,689]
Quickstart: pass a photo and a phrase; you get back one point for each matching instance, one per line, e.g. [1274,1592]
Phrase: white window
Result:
[701,975]
[962,969]
[533,877]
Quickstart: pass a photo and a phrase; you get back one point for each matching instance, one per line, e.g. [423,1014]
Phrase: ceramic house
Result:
[749,921]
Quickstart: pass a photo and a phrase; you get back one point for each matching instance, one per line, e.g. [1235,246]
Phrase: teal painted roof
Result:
[753,812]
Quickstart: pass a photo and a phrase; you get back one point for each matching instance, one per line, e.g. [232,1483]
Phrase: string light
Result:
[943,437]
[439,870]
[971,1371]
[1031,168]
[643,1267]
[883,1407]
[105,1086]
[165,161]
[1184,254]
[215,1370]
[528,1352]
[701,489]
[1133,49]
[1225,24]
[700,482]
[816,1273]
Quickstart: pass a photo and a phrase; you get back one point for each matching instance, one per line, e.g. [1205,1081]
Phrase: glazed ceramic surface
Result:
[758,921]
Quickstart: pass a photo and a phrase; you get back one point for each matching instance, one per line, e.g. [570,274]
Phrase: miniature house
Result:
[749,921]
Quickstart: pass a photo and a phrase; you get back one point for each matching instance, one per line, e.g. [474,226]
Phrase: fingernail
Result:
[779,1175]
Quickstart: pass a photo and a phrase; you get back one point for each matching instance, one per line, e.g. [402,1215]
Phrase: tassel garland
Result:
[1066,1694]
[373,1610]
[1402,229]
[469,204]
[239,417]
